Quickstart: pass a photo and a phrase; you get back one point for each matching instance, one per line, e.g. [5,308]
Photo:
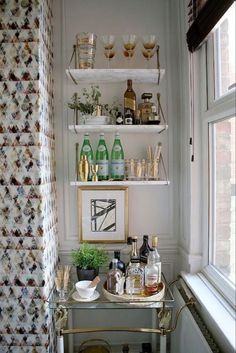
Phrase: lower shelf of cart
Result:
[121,183]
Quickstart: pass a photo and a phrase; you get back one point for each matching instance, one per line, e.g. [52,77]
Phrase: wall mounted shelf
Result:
[122,183]
[115,75]
[142,129]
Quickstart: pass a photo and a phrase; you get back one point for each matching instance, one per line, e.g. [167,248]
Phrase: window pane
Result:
[224,53]
[223,197]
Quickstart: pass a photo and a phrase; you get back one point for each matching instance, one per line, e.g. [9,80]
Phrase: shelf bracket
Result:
[158,64]
[73,55]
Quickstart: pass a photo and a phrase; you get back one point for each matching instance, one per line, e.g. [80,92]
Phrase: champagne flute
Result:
[108,43]
[149,43]
[129,45]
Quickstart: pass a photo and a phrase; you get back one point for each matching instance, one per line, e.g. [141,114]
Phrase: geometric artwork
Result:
[103,215]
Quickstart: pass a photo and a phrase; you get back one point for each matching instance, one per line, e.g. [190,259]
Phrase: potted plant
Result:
[86,104]
[87,260]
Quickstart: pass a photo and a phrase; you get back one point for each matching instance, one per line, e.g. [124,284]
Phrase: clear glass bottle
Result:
[113,277]
[144,250]
[151,274]
[120,264]
[154,118]
[156,254]
[102,159]
[145,107]
[129,104]
[135,270]
[117,159]
[87,151]
[126,251]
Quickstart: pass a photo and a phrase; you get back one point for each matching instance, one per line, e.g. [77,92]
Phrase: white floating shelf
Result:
[121,183]
[142,129]
[115,75]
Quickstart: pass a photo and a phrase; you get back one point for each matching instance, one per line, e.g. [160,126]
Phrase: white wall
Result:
[151,210]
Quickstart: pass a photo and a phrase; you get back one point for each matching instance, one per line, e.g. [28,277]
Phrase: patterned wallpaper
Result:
[28,224]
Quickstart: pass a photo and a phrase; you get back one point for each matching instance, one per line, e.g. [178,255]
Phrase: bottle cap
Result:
[129,240]
[154,241]
[102,134]
[145,237]
[146,96]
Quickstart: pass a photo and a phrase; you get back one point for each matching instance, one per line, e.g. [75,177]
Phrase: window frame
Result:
[212,111]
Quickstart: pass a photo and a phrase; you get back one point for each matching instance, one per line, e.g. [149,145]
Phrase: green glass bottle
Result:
[102,159]
[117,159]
[86,150]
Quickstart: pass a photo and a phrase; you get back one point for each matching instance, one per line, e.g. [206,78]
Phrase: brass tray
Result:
[135,299]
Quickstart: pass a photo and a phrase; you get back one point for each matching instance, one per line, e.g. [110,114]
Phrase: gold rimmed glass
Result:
[108,44]
[130,41]
[149,44]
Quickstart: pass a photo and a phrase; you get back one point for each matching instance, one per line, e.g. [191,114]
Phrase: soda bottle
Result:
[102,159]
[117,159]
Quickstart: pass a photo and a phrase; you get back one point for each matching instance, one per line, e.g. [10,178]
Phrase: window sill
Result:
[216,312]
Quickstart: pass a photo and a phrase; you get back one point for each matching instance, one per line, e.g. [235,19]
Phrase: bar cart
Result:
[163,309]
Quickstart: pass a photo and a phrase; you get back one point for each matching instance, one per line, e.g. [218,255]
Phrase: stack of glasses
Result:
[86,48]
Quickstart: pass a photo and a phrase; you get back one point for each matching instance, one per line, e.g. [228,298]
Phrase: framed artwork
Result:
[103,214]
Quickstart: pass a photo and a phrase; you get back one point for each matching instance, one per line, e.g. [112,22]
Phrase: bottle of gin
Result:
[157,255]
[144,250]
[135,270]
[129,104]
[151,274]
[87,151]
[120,264]
[102,159]
[117,159]
[113,277]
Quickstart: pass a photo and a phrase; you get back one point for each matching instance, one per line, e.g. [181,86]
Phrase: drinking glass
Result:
[130,41]
[108,43]
[149,43]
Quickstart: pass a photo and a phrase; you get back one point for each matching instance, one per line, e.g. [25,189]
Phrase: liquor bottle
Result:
[144,250]
[119,119]
[157,255]
[135,270]
[113,277]
[151,274]
[145,107]
[129,104]
[154,118]
[86,150]
[120,264]
[126,251]
[117,159]
[102,159]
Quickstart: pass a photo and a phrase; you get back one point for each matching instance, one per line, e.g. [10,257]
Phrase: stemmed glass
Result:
[149,43]
[129,45]
[108,43]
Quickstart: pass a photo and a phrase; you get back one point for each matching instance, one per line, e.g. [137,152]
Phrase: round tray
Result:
[135,299]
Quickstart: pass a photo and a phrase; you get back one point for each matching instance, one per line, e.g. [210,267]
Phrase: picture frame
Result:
[103,214]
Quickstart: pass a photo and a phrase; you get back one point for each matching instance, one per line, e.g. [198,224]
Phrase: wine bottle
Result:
[120,264]
[86,150]
[129,104]
[102,159]
[144,250]
[117,159]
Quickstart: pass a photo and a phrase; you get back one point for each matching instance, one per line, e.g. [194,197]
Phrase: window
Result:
[222,191]
[219,164]
[224,53]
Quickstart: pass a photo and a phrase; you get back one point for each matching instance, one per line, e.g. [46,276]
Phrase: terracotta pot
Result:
[87,275]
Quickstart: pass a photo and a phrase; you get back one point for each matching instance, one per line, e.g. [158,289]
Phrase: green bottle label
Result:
[117,148]
[86,148]
[101,148]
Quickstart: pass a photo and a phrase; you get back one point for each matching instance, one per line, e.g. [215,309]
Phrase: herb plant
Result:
[87,103]
[89,257]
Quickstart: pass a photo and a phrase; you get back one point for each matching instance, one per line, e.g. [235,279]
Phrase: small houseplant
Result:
[87,260]
[87,103]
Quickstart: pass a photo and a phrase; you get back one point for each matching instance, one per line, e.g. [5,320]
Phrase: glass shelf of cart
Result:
[142,129]
[115,75]
[102,302]
[122,183]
